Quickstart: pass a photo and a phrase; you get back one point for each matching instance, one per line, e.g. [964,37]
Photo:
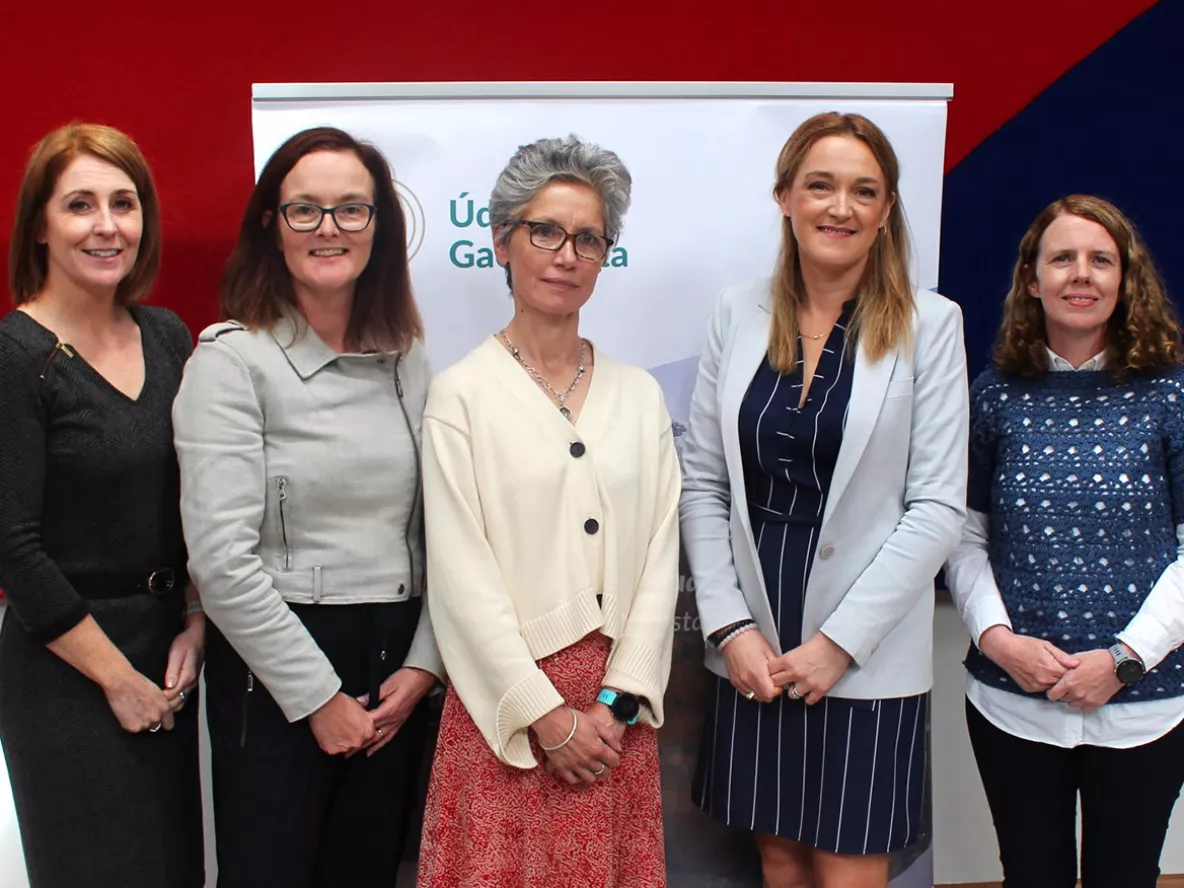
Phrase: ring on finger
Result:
[154,728]
[792,690]
[601,771]
[181,697]
[379,732]
[750,695]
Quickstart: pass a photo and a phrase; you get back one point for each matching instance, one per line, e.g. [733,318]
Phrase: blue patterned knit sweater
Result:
[1083,480]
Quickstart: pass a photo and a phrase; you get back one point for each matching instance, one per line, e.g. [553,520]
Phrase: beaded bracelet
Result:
[717,637]
[575,723]
[734,634]
[720,634]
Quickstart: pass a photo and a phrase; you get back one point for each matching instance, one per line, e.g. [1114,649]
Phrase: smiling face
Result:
[93,226]
[328,259]
[558,282]
[837,203]
[1077,276]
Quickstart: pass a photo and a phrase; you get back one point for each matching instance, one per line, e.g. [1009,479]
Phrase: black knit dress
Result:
[89,498]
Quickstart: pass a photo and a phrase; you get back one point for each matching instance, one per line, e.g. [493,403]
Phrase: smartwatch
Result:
[1128,669]
[624,707]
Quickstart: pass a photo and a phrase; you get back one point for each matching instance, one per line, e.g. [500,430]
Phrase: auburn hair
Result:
[883,316]
[28,257]
[1143,333]
[257,286]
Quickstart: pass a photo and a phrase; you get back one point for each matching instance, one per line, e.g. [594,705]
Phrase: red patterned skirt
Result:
[488,825]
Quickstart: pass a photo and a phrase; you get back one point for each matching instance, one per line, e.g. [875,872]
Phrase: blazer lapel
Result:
[869,385]
[749,348]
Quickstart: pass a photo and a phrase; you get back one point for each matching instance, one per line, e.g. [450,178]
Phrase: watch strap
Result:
[1121,658]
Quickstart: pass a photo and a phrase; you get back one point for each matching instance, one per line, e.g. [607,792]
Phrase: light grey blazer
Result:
[895,509]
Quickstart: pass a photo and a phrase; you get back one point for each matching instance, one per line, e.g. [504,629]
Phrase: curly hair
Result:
[1143,334]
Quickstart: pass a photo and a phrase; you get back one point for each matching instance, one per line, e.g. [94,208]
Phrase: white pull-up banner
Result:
[702,158]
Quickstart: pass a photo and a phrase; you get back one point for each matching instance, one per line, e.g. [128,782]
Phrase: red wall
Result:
[177,76]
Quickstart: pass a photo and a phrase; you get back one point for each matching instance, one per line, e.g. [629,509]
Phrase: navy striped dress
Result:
[844,775]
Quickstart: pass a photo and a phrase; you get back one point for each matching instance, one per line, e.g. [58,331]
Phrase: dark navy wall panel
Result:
[1113,125]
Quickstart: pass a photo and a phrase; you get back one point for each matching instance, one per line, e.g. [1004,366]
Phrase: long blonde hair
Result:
[884,312]
[1143,334]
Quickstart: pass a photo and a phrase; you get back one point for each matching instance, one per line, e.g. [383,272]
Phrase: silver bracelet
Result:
[575,722]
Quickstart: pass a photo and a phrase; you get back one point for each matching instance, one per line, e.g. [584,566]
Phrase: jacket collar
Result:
[305,351]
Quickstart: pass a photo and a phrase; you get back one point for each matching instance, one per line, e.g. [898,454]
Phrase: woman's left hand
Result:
[400,694]
[1090,685]
[184,664]
[811,669]
[604,715]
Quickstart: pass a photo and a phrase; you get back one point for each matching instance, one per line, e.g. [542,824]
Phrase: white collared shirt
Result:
[1154,632]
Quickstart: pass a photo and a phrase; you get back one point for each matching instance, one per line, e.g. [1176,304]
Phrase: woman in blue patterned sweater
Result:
[1070,575]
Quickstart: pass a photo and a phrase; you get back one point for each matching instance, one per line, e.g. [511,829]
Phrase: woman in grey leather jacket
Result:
[297,429]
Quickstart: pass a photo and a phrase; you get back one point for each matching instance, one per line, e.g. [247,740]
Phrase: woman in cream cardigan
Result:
[825,484]
[551,491]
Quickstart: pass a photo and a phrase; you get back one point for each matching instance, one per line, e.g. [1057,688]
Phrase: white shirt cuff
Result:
[981,615]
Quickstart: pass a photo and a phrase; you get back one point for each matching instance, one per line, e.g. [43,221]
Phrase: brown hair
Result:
[257,287]
[883,315]
[28,261]
[1143,333]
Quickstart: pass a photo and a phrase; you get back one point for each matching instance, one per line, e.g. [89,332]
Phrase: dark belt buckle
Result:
[162,581]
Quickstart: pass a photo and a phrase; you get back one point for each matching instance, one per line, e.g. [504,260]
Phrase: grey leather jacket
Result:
[300,483]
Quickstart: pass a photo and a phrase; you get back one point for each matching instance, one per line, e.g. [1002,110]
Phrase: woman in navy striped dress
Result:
[824,485]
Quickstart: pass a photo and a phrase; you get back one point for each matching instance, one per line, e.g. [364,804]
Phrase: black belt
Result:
[157,582]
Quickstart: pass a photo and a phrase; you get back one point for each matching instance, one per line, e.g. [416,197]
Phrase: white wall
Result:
[964,848]
[12,859]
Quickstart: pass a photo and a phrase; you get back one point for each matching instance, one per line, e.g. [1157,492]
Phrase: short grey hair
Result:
[536,165]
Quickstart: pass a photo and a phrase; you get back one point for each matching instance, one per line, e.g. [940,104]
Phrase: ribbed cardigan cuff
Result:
[563,626]
[634,666]
[523,705]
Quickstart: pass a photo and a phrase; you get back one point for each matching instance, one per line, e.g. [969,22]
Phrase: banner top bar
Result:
[290,92]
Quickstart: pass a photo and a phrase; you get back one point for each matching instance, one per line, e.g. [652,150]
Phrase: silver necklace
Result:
[541,381]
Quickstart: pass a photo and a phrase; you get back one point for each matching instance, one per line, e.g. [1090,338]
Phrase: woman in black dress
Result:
[103,645]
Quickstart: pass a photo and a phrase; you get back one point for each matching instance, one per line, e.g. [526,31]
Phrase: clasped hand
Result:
[343,726]
[593,749]
[1084,681]
[812,668]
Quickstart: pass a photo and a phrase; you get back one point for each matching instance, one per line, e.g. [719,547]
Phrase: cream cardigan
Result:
[530,518]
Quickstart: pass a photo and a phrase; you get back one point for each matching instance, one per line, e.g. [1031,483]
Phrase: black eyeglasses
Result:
[347,217]
[549,236]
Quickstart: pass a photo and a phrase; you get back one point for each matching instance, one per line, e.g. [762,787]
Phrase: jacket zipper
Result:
[281,484]
[242,740]
[415,503]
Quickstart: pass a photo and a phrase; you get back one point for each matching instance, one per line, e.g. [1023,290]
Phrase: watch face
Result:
[1129,671]
[625,707]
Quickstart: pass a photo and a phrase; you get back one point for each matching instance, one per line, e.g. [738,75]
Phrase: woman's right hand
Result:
[138,703]
[1033,663]
[748,656]
[592,749]
[342,726]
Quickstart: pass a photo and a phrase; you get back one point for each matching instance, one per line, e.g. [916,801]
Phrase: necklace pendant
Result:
[566,413]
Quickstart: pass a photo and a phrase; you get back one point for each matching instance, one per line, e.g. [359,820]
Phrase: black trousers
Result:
[1127,796]
[285,813]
